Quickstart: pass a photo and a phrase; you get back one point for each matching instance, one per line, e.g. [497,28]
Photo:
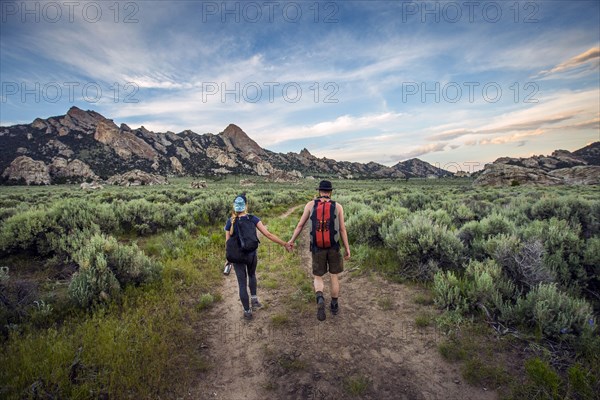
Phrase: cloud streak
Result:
[590,58]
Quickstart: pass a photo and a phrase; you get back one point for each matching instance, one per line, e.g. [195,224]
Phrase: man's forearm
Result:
[296,233]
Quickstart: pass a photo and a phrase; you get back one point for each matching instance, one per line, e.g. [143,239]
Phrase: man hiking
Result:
[326,228]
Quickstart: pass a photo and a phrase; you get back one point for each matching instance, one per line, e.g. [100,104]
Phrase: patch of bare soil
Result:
[372,349]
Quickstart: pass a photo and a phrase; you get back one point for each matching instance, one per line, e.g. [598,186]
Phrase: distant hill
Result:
[84,145]
[581,167]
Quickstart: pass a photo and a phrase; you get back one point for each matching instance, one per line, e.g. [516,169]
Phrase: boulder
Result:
[580,175]
[75,170]
[27,170]
[91,186]
[507,175]
[279,176]
[198,185]
[137,177]
[247,182]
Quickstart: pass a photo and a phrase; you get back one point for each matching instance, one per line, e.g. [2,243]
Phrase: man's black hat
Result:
[325,186]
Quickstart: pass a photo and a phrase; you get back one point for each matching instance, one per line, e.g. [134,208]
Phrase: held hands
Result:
[289,246]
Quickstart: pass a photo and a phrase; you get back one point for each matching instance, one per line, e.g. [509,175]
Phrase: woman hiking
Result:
[246,272]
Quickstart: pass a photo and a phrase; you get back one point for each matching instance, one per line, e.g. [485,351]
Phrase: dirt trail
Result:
[372,347]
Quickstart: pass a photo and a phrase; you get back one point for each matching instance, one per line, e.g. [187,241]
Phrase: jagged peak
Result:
[233,130]
[78,114]
[240,140]
[305,153]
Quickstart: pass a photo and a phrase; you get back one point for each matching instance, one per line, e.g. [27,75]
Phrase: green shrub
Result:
[553,312]
[470,232]
[496,224]
[544,381]
[144,217]
[94,282]
[438,216]
[23,231]
[105,266]
[486,285]
[590,262]
[562,248]
[215,209]
[483,286]
[206,301]
[521,261]
[474,234]
[458,212]
[363,227]
[574,210]
[480,208]
[61,228]
[416,201]
[581,382]
[449,291]
[131,266]
[364,224]
[418,240]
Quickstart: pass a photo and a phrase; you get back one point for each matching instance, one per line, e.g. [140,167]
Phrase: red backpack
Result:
[324,232]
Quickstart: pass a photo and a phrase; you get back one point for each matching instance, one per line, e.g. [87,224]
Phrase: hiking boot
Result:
[335,308]
[321,309]
[248,314]
[256,304]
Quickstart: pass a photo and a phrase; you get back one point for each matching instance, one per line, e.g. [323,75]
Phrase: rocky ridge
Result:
[86,146]
[562,167]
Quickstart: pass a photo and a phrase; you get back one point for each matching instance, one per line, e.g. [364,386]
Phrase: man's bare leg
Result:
[335,285]
[318,283]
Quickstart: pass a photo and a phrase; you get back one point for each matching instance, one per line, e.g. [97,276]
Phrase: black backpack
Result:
[246,232]
[244,241]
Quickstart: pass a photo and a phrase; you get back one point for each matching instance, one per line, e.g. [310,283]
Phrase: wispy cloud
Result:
[518,126]
[341,124]
[420,150]
[590,58]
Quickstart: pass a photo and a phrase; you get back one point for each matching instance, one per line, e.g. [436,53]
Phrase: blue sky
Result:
[456,84]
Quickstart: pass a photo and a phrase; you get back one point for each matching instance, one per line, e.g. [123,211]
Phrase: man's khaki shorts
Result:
[327,260]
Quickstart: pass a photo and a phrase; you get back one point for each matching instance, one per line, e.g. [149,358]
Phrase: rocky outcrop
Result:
[282,177]
[58,147]
[590,153]
[580,175]
[560,168]
[124,143]
[512,175]
[137,178]
[221,157]
[26,170]
[176,165]
[263,169]
[74,171]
